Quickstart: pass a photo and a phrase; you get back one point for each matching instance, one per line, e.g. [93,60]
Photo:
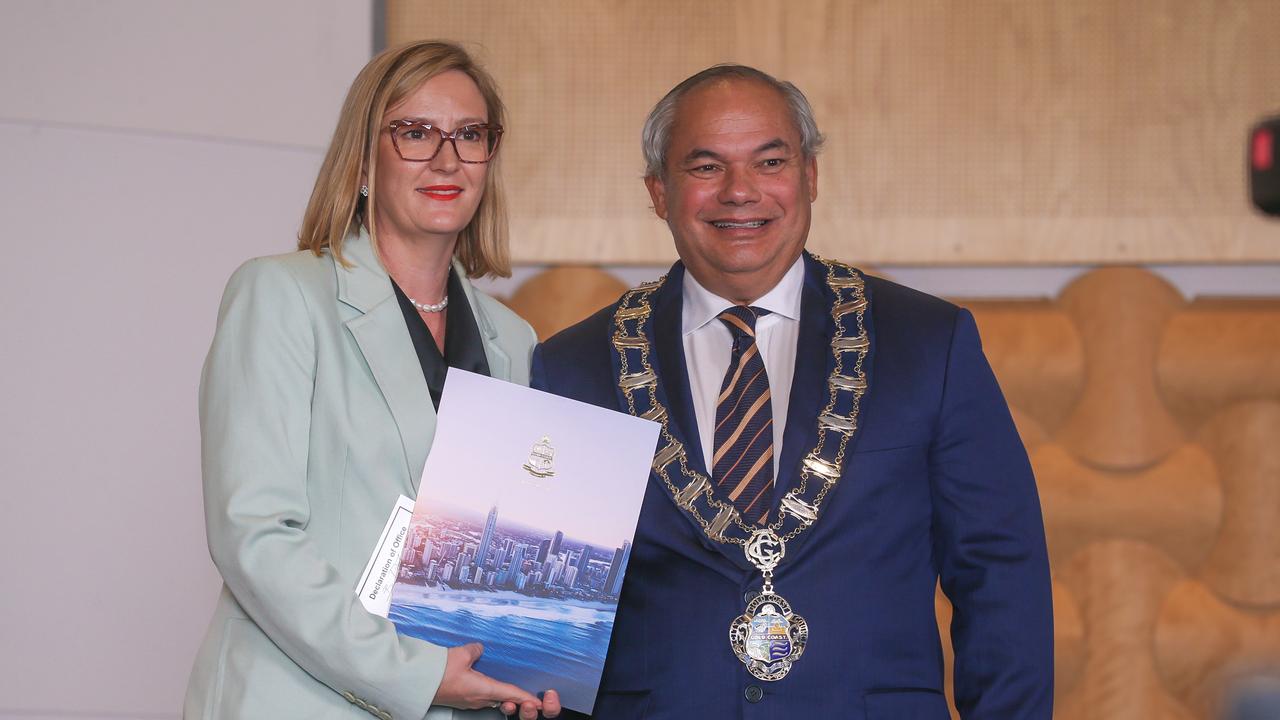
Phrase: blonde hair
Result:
[336,204]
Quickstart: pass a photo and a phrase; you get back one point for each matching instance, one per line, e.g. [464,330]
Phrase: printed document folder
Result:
[522,531]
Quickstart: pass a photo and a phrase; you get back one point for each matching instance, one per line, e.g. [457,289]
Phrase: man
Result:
[833,446]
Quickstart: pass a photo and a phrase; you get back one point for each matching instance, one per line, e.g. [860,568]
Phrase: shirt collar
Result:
[701,306]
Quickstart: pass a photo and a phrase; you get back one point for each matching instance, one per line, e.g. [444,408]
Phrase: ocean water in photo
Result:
[532,642]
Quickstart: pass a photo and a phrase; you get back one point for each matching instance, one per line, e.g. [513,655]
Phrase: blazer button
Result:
[748,596]
[753,693]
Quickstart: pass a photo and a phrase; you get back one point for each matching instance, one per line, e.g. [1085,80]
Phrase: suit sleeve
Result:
[255,420]
[989,542]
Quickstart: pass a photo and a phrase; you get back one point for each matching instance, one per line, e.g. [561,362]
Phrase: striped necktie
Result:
[743,463]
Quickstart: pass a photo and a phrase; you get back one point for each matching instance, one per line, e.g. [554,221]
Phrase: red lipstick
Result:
[444,193]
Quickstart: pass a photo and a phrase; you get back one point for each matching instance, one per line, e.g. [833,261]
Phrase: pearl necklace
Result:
[428,307]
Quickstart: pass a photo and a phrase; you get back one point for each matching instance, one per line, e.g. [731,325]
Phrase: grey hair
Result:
[656,135]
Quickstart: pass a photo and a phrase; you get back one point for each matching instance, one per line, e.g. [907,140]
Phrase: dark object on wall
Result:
[1264,170]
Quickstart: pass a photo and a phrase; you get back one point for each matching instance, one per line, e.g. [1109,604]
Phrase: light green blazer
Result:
[314,417]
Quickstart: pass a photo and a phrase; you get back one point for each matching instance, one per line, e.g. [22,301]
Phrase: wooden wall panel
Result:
[959,131]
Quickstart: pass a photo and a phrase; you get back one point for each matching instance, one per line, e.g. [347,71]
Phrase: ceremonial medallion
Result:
[768,637]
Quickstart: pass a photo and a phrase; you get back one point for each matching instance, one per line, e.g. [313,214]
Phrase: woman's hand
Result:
[467,689]
[529,711]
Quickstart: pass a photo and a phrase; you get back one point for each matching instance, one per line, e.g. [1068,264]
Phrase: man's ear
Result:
[658,194]
[811,171]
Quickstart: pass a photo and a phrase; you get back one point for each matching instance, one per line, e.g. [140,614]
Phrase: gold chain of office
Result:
[801,506]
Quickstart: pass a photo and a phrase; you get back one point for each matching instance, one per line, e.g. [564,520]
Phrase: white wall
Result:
[146,149]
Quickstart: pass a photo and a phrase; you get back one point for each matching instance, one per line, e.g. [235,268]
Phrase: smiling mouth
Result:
[744,225]
[441,192]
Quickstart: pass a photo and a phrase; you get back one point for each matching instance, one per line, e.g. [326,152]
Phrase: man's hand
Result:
[528,711]
[467,689]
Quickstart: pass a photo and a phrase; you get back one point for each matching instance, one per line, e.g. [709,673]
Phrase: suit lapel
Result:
[809,391]
[668,333]
[384,341]
[808,383]
[868,366]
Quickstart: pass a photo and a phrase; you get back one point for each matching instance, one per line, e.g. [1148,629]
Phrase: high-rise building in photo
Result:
[486,539]
[557,567]
[613,586]
[507,579]
[615,567]
[583,559]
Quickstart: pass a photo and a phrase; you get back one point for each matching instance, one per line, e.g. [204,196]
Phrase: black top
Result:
[463,347]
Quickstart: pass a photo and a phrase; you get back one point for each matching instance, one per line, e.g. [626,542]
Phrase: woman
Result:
[317,402]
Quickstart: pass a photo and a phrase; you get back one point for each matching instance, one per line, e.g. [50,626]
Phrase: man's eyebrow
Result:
[774,144]
[703,153]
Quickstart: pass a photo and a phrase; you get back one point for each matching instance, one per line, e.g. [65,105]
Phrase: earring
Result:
[364,191]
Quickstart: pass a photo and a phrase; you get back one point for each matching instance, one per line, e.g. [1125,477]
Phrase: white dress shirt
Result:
[708,348]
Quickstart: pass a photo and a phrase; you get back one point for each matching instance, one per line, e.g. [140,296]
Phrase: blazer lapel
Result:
[499,361]
[384,342]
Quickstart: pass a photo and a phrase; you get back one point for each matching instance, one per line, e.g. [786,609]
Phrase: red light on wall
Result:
[1264,143]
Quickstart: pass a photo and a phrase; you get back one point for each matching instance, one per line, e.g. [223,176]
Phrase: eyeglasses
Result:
[419,142]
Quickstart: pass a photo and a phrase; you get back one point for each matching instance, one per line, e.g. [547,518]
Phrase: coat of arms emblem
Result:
[541,459]
[768,638]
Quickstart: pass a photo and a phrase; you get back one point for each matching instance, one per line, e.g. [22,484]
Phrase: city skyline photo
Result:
[522,531]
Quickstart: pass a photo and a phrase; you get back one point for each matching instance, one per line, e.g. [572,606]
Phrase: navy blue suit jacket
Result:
[937,487]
